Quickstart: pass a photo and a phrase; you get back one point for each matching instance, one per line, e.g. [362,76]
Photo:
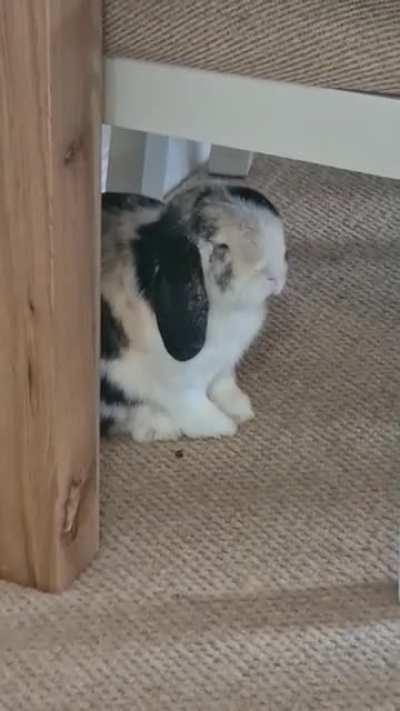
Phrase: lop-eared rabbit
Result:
[184,293]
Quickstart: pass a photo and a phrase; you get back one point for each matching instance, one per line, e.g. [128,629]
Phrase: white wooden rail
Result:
[359,132]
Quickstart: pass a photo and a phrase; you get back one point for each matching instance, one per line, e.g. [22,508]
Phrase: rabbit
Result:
[183,295]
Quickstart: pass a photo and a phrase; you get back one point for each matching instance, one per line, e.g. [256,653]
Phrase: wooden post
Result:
[50,119]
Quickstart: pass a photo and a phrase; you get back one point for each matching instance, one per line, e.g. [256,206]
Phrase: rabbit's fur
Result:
[184,290]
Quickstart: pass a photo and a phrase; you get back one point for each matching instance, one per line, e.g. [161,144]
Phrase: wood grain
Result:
[50,118]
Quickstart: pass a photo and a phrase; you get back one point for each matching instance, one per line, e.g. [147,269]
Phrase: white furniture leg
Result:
[148,164]
[137,162]
[232,162]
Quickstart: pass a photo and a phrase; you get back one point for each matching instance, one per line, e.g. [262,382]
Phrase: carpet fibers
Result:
[257,572]
[343,44]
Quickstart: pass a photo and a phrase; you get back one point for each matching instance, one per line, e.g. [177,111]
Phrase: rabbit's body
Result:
[172,373]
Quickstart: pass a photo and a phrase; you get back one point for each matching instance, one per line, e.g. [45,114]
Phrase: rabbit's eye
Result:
[220,251]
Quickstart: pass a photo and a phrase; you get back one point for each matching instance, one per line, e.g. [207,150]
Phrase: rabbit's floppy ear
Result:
[177,294]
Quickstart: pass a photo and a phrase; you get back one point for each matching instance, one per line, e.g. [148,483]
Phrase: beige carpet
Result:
[345,44]
[255,573]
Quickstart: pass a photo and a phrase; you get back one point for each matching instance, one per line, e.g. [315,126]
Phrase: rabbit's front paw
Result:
[205,420]
[231,399]
[149,424]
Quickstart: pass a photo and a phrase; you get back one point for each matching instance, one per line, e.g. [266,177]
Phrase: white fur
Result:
[182,389]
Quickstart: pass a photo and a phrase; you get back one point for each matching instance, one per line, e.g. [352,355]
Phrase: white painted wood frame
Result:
[137,162]
[232,162]
[337,128]
[149,164]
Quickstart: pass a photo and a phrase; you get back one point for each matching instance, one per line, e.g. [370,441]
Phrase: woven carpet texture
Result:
[257,572]
[347,44]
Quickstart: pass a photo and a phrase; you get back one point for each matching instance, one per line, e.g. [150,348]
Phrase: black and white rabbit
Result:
[184,290]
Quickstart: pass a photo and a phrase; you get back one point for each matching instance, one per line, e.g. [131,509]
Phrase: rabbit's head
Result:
[242,245]
[214,247]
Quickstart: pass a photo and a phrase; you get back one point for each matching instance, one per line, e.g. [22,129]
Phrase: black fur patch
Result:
[254,196]
[170,276]
[113,336]
[224,277]
[106,424]
[200,224]
[205,194]
[111,394]
[222,266]
[126,201]
[159,246]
